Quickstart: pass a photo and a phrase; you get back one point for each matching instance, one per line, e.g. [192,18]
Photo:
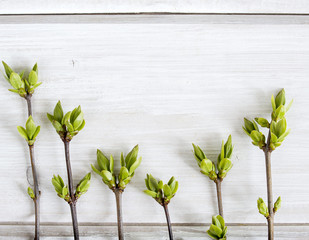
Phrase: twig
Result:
[28,99]
[36,192]
[71,191]
[219,195]
[270,218]
[170,232]
[118,195]
[35,178]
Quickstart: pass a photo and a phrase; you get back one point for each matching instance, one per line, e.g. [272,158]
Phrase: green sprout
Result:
[128,164]
[30,132]
[162,193]
[277,132]
[67,125]
[22,85]
[224,163]
[217,229]
[117,182]
[63,191]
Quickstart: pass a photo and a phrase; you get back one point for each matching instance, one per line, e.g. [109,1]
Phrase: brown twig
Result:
[118,195]
[169,225]
[37,192]
[29,105]
[270,218]
[71,191]
[219,195]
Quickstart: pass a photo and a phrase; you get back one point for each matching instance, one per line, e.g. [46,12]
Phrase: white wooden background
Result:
[162,81]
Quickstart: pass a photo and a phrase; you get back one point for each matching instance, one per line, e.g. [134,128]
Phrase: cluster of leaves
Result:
[162,193]
[30,132]
[22,85]
[263,209]
[63,191]
[69,124]
[217,229]
[277,126]
[224,164]
[106,169]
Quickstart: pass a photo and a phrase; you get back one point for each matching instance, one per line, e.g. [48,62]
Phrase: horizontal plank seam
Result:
[94,224]
[153,13]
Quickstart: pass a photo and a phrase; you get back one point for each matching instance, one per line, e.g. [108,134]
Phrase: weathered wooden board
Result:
[161,6]
[152,232]
[162,83]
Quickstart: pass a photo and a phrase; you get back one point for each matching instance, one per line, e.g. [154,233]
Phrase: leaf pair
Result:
[224,164]
[69,124]
[30,132]
[22,86]
[62,189]
[217,229]
[263,209]
[162,193]
[106,168]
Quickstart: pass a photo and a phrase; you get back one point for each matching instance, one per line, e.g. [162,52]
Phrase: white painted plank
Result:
[152,232]
[163,86]
[150,6]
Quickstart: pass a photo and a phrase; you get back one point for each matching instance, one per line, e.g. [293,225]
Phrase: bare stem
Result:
[71,191]
[28,99]
[169,225]
[270,219]
[219,196]
[36,193]
[118,195]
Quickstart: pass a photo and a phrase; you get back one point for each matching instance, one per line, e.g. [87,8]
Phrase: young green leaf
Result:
[33,78]
[7,69]
[22,132]
[58,112]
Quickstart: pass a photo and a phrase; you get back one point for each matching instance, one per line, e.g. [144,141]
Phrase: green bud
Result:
[198,154]
[7,69]
[225,165]
[262,122]
[277,204]
[207,166]
[156,189]
[249,126]
[31,193]
[228,147]
[217,229]
[102,160]
[262,207]
[33,78]
[58,112]
[131,157]
[167,190]
[280,98]
[83,186]
[15,81]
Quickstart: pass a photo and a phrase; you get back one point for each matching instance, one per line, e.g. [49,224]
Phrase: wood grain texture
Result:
[151,232]
[158,6]
[163,85]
